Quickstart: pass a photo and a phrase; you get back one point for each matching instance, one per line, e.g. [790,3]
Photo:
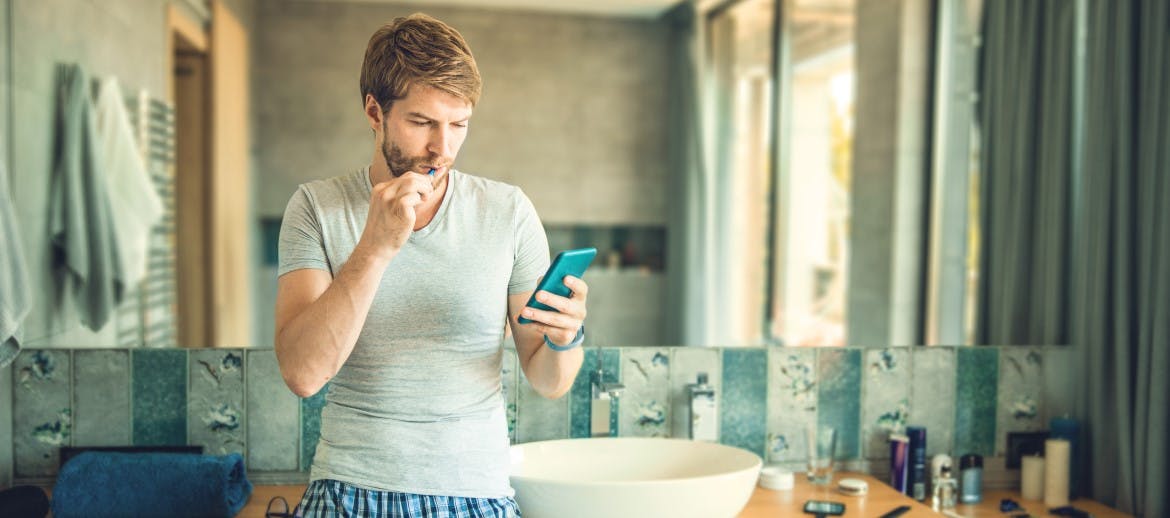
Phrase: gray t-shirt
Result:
[418,406]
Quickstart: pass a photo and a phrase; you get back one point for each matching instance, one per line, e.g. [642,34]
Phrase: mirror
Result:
[573,112]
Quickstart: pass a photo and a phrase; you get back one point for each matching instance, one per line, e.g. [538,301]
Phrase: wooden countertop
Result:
[766,503]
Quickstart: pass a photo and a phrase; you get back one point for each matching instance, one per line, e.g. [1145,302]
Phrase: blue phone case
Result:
[569,262]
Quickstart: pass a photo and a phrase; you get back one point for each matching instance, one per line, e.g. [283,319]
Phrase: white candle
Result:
[1032,477]
[1056,453]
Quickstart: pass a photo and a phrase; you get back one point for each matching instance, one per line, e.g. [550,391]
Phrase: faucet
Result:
[603,395]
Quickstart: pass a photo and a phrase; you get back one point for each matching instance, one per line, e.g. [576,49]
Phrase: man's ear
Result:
[373,113]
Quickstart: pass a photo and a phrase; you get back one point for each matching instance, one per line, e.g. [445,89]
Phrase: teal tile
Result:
[932,396]
[744,404]
[1021,393]
[886,399]
[977,380]
[101,398]
[839,398]
[159,385]
[645,402]
[582,392]
[509,366]
[215,401]
[42,418]
[311,425]
[792,403]
[273,415]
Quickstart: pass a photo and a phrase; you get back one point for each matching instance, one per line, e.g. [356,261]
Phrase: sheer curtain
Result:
[693,309]
[1121,282]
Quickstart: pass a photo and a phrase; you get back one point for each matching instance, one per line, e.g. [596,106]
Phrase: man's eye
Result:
[421,123]
[460,124]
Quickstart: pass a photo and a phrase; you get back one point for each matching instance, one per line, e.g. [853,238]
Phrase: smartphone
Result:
[569,262]
[823,508]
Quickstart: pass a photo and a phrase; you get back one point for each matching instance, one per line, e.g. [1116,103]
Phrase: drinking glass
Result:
[822,446]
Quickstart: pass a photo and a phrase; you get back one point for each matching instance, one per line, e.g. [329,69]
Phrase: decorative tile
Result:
[744,409]
[101,398]
[839,397]
[886,399]
[977,380]
[509,368]
[1021,393]
[273,414]
[311,425]
[539,418]
[215,404]
[932,396]
[159,396]
[685,365]
[581,395]
[792,404]
[645,403]
[41,412]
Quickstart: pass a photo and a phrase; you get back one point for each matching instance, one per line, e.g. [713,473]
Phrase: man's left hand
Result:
[560,326]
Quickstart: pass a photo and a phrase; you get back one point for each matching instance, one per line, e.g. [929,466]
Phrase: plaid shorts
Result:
[332,498]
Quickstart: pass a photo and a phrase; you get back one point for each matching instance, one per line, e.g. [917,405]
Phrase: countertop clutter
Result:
[879,499]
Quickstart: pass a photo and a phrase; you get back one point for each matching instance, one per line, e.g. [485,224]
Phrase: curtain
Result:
[693,255]
[1025,120]
[1121,310]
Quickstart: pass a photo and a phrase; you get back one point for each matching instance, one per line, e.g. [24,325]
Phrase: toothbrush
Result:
[431,172]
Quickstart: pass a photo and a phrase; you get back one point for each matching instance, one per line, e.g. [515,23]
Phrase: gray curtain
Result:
[1025,119]
[1121,310]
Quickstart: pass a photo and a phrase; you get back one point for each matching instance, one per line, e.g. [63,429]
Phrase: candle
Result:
[1032,477]
[1068,428]
[1056,454]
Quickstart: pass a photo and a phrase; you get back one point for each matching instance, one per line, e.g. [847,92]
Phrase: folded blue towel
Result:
[98,484]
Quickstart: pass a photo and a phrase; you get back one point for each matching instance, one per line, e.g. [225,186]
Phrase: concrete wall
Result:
[573,108]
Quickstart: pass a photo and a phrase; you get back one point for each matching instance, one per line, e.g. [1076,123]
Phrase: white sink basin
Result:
[632,477]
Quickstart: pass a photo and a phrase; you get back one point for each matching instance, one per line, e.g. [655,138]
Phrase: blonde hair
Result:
[418,49]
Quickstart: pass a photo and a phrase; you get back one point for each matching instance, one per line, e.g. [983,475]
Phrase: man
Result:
[395,282]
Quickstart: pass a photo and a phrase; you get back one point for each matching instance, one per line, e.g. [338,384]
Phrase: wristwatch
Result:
[576,341]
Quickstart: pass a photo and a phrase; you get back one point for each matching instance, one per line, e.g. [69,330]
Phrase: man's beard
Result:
[397,160]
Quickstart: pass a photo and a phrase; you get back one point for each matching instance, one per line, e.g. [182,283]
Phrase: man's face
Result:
[424,130]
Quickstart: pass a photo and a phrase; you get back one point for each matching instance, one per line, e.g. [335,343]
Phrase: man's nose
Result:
[440,140]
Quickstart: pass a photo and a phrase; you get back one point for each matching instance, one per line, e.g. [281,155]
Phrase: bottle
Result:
[916,468]
[945,489]
[971,478]
[704,411]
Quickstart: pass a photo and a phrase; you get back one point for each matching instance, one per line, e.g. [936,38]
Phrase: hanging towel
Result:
[97,484]
[15,297]
[84,256]
[135,206]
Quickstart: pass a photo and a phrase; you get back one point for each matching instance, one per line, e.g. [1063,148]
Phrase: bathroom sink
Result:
[632,477]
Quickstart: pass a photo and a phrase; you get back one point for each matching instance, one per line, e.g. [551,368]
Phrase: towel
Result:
[81,229]
[98,484]
[135,206]
[15,297]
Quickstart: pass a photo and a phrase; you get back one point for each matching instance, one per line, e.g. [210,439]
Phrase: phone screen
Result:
[821,507]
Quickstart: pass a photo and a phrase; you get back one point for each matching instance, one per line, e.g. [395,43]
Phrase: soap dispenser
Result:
[704,410]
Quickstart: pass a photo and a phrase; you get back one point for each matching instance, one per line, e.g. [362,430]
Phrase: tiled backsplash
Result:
[233,400]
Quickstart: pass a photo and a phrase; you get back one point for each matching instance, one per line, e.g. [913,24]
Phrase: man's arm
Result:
[318,319]
[551,373]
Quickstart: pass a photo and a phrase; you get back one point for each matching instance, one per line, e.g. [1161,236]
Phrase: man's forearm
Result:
[551,373]
[314,345]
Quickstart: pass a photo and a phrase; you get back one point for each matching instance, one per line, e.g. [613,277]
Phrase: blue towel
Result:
[97,484]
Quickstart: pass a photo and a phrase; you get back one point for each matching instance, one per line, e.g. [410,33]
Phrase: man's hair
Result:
[418,49]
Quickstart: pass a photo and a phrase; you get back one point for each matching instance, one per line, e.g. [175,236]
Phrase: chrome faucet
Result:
[603,395]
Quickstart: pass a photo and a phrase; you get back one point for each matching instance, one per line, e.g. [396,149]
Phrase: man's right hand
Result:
[392,213]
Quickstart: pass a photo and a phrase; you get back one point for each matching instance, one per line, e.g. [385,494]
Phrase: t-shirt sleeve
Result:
[301,243]
[531,258]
